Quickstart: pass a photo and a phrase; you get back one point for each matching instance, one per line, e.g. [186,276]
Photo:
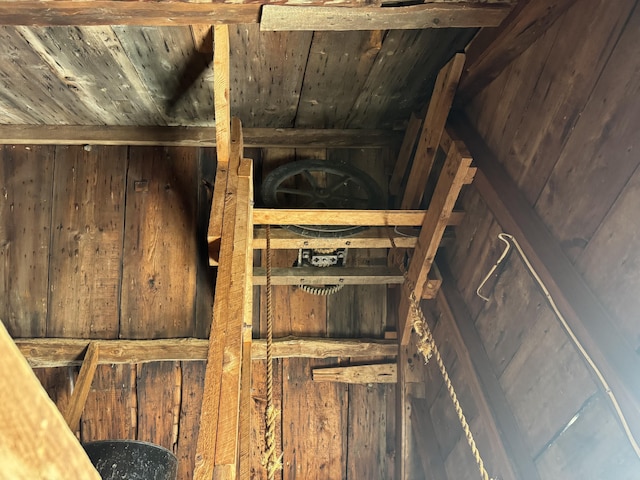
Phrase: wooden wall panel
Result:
[86,245]
[26,179]
[159,276]
[190,404]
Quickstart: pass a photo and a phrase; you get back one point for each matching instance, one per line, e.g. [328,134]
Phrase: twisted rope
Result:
[428,348]
[270,460]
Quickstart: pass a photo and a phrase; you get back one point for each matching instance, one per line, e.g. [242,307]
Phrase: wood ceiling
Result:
[129,75]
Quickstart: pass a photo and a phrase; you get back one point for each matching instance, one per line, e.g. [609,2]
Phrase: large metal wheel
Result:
[323,185]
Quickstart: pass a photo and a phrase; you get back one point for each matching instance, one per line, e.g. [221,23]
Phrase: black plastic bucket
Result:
[132,460]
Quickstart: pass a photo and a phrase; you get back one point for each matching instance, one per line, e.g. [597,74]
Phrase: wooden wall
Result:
[107,242]
[563,119]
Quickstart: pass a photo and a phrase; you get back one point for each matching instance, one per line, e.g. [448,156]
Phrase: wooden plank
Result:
[244,428]
[283,239]
[371,218]
[190,405]
[424,435]
[405,154]
[402,417]
[444,197]
[59,352]
[25,233]
[193,136]
[159,276]
[86,244]
[582,310]
[329,276]
[513,458]
[434,123]
[108,12]
[82,387]
[432,15]
[357,374]
[221,93]
[493,49]
[35,441]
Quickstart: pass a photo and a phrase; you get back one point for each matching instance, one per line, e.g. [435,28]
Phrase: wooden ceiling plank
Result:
[431,15]
[373,373]
[406,151]
[369,218]
[581,308]
[67,352]
[82,387]
[192,136]
[434,123]
[444,197]
[35,441]
[329,276]
[495,48]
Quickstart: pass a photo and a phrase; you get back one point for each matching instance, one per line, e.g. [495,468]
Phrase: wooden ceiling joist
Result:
[67,352]
[194,136]
[336,18]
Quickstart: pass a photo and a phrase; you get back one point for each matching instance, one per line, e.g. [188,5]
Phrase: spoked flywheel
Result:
[322,185]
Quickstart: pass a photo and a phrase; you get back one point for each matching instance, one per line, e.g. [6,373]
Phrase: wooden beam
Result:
[444,198]
[329,276]
[35,441]
[193,136]
[411,136]
[403,416]
[434,123]
[513,458]
[583,311]
[370,218]
[431,15]
[66,352]
[82,387]
[357,374]
[494,48]
[113,12]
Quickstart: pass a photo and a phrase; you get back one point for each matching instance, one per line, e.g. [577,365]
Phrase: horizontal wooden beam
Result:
[329,276]
[357,374]
[114,12]
[63,352]
[336,18]
[193,136]
[367,218]
[582,310]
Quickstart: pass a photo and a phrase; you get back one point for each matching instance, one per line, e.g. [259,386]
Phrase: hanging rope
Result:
[428,348]
[270,460]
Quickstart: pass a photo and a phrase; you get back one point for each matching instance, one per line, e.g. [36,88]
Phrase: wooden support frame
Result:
[82,387]
[329,276]
[35,441]
[582,310]
[66,352]
[194,136]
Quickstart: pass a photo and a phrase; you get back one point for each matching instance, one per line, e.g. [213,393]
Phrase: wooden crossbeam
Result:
[82,387]
[66,352]
[193,136]
[337,18]
[357,374]
[435,120]
[444,197]
[329,276]
[35,441]
[368,218]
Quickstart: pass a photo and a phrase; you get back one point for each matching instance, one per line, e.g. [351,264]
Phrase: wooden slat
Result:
[192,136]
[512,456]
[82,386]
[370,218]
[63,352]
[109,12]
[35,442]
[493,49]
[357,374]
[432,15]
[406,151]
[578,304]
[434,123]
[444,198]
[329,276]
